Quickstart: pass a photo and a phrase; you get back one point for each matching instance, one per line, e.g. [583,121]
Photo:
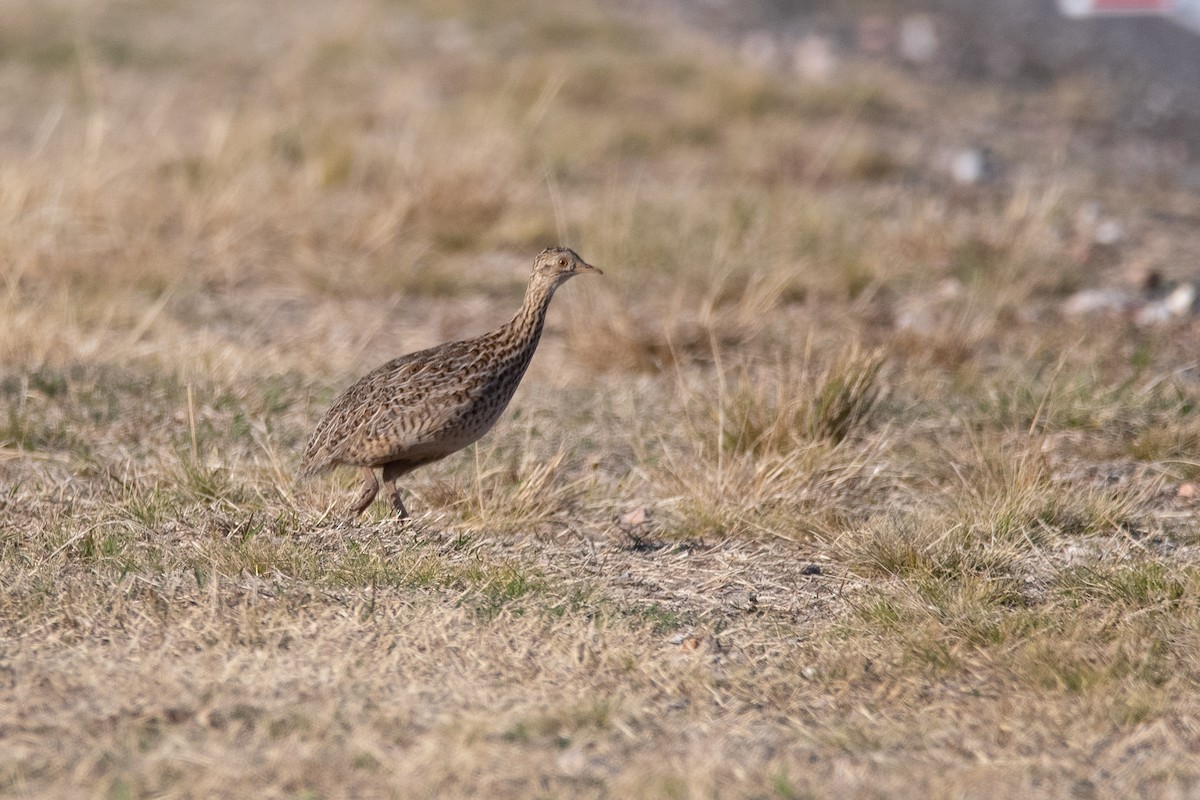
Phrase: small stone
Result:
[918,38]
[572,761]
[1155,313]
[1090,301]
[1188,491]
[638,516]
[970,166]
[811,569]
[813,59]
[1181,299]
[950,289]
[1109,232]
[1075,8]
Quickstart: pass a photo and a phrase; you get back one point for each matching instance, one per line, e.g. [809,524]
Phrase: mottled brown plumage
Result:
[424,406]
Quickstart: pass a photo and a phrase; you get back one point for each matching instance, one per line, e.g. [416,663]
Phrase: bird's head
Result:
[555,265]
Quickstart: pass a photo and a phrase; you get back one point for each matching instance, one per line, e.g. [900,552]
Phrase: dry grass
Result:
[815,494]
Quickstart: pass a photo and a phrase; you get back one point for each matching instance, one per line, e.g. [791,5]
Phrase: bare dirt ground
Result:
[832,486]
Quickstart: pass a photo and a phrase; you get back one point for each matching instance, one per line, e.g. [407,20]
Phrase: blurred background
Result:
[222,190]
[890,383]
[1145,51]
[221,176]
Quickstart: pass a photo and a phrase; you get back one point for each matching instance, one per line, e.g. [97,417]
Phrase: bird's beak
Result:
[586,267]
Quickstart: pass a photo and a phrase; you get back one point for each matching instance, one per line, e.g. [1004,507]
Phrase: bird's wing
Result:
[408,406]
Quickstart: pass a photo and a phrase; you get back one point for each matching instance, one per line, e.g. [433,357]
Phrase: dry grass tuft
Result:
[511,491]
[775,409]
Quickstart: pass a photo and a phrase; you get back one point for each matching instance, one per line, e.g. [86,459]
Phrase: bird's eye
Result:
[562,262]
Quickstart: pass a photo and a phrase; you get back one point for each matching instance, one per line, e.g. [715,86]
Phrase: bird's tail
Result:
[312,464]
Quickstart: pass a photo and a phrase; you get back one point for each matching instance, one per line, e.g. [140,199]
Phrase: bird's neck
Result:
[526,326]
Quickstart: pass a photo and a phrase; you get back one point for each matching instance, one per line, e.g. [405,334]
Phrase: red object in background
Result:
[1087,8]
[1163,6]
[1180,12]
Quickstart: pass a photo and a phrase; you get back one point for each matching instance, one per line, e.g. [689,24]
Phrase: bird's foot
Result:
[398,504]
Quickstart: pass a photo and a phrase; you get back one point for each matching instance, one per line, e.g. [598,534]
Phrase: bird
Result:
[424,406]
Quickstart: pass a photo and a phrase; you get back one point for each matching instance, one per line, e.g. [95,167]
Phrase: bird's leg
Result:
[401,511]
[370,488]
[391,472]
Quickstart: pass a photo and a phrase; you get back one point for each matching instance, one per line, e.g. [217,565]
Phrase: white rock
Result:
[813,59]
[918,40]
[968,166]
[1109,232]
[951,289]
[1181,300]
[1155,313]
[1090,301]
[1178,303]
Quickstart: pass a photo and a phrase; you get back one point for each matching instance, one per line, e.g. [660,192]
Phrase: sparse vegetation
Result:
[814,494]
